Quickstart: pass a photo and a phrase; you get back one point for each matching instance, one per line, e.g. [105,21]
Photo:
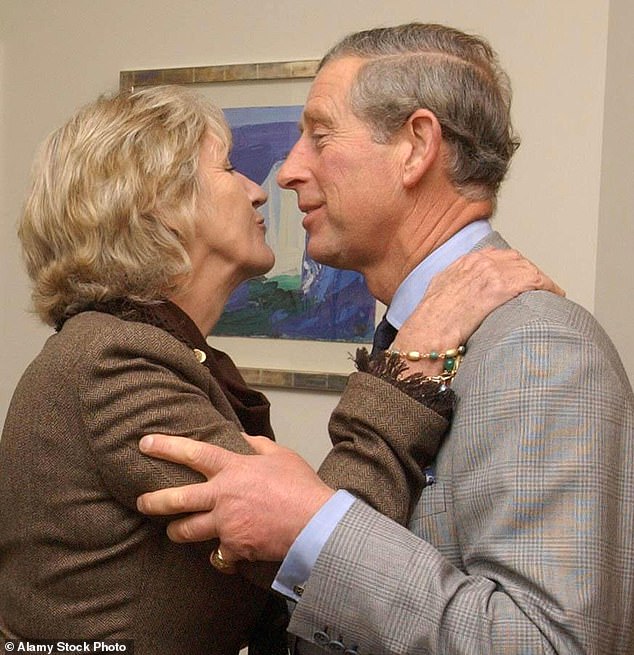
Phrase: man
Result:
[523,542]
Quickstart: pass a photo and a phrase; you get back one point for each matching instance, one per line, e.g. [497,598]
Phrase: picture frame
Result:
[282,363]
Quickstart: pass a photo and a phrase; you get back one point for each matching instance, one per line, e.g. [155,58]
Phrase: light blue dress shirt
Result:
[303,554]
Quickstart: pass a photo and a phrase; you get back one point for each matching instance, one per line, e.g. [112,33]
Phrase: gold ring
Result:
[220,563]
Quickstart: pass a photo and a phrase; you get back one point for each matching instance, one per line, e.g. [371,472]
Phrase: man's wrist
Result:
[303,553]
[310,509]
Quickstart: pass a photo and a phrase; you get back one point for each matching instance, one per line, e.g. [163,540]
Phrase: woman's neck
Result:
[204,300]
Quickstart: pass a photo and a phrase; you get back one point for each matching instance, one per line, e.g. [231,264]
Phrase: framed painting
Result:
[297,326]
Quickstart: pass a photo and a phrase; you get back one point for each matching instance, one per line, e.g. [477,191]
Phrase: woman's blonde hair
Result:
[111,207]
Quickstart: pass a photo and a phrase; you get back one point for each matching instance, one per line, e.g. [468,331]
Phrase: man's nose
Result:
[290,172]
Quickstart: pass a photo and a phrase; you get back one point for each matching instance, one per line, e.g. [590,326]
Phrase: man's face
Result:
[347,184]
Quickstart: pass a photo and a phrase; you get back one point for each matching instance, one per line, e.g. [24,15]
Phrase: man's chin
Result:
[321,251]
[322,256]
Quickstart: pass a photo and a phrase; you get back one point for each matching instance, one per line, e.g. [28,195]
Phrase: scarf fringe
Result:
[435,395]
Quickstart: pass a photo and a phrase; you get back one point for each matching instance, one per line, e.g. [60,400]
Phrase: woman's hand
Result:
[461,297]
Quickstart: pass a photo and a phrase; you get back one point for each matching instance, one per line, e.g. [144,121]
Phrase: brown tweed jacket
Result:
[77,561]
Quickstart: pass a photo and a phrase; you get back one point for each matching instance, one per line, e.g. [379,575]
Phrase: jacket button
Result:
[351,651]
[322,638]
[336,646]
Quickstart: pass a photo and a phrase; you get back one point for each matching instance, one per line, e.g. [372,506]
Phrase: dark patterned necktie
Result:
[384,334]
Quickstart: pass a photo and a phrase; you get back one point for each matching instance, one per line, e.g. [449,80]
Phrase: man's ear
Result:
[423,134]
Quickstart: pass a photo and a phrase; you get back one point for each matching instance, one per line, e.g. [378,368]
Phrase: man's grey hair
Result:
[454,75]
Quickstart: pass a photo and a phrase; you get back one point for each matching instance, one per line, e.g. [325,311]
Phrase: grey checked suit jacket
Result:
[525,543]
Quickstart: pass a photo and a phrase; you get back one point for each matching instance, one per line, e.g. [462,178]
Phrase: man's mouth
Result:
[308,208]
[309,211]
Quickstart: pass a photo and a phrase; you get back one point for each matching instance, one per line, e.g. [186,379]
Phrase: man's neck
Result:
[414,286]
[421,233]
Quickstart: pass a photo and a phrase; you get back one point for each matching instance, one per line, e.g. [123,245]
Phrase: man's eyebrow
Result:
[311,117]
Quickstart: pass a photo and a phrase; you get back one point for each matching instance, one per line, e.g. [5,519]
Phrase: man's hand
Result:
[255,504]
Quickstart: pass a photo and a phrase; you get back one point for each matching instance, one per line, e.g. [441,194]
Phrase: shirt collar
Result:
[413,288]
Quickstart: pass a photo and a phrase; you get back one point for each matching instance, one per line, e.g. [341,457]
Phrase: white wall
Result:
[615,270]
[557,206]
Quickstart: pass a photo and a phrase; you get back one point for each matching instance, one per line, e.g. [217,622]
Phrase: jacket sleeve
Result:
[135,380]
[543,495]
[382,440]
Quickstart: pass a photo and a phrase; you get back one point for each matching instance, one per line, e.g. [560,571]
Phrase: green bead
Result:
[449,364]
[433,355]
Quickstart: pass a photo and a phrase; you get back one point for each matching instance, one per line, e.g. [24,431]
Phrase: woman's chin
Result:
[255,269]
[267,263]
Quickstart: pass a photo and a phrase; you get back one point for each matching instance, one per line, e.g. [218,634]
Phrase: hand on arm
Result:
[456,303]
[255,504]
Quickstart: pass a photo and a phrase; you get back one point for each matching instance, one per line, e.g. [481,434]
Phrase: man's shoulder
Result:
[539,326]
[538,310]
[539,313]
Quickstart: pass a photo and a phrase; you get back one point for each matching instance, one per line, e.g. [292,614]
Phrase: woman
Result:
[135,232]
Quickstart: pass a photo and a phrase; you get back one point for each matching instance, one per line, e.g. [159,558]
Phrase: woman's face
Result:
[229,231]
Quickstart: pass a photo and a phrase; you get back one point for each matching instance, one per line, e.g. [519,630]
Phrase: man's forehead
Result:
[329,93]
[336,77]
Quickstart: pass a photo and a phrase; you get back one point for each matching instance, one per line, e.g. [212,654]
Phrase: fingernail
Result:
[146,443]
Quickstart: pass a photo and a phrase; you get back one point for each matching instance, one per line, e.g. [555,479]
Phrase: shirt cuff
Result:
[302,555]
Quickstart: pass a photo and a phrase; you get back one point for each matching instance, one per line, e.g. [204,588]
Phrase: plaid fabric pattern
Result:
[525,543]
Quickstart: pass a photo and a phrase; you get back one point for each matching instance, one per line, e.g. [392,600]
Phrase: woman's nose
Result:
[257,195]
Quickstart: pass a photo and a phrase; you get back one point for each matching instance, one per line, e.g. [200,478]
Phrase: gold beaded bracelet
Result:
[451,361]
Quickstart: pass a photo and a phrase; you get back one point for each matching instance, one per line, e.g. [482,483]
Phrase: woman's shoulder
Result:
[102,325]
[97,335]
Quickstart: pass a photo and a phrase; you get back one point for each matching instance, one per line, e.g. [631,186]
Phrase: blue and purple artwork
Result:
[298,298]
